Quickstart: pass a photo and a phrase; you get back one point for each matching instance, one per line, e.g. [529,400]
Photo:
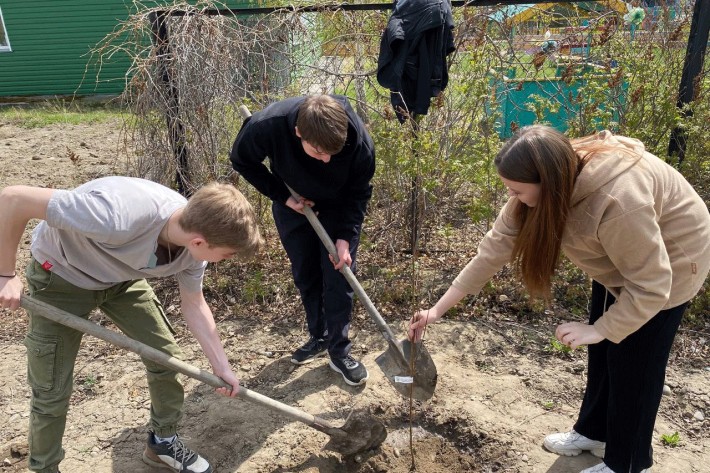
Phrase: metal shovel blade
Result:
[361,432]
[394,363]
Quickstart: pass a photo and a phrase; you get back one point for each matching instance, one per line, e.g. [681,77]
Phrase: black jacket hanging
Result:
[413,50]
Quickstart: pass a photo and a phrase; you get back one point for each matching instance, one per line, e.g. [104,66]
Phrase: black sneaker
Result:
[174,456]
[312,349]
[354,373]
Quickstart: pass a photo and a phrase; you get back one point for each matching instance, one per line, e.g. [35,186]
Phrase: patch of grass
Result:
[671,440]
[547,405]
[58,112]
[253,288]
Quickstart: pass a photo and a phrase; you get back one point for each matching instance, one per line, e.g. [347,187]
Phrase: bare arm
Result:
[201,323]
[18,205]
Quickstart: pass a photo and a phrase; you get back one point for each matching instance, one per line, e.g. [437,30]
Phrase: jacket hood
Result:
[604,167]
[410,18]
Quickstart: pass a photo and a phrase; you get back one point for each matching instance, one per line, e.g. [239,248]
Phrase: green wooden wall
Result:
[51,42]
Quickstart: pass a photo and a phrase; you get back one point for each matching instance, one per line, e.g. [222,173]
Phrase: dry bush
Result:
[434,180]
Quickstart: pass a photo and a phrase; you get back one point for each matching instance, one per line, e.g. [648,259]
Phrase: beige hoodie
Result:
[636,226]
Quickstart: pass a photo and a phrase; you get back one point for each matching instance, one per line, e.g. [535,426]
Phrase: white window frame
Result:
[4,48]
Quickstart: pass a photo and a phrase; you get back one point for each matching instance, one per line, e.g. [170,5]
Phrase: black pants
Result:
[625,385]
[326,295]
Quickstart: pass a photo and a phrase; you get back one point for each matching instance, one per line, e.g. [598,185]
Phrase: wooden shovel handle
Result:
[77,323]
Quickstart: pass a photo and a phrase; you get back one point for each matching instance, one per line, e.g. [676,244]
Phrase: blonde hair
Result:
[323,122]
[224,217]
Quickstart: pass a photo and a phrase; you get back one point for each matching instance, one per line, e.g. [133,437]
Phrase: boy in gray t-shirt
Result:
[95,248]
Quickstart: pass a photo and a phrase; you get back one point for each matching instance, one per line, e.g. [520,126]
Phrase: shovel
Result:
[361,431]
[416,379]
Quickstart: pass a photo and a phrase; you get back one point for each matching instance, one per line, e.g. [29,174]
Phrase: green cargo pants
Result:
[52,350]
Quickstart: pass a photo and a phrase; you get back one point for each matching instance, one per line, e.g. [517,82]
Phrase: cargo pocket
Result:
[43,356]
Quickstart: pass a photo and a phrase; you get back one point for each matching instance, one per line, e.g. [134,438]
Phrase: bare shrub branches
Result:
[184,94]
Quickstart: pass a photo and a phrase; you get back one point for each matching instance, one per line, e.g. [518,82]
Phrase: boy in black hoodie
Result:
[318,146]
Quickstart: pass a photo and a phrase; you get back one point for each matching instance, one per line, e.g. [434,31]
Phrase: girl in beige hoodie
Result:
[640,231]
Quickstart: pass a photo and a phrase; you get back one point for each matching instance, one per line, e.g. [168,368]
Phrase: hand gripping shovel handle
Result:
[115,338]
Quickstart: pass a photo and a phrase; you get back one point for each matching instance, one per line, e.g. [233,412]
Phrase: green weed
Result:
[89,382]
[671,440]
[254,289]
[556,346]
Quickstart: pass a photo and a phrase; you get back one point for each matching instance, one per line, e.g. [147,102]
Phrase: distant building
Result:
[45,46]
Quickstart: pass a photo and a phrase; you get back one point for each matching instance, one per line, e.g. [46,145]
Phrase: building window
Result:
[4,39]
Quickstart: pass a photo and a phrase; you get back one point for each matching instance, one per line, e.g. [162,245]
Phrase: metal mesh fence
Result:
[579,68]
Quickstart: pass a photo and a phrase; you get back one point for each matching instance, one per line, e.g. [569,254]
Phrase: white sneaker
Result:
[572,443]
[602,468]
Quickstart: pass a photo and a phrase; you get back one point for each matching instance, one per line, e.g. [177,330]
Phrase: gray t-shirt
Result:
[106,232]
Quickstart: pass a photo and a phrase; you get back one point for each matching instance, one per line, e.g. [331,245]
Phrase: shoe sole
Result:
[597,452]
[351,383]
[307,360]
[159,464]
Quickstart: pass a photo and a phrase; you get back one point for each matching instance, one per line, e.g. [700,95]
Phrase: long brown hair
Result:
[541,155]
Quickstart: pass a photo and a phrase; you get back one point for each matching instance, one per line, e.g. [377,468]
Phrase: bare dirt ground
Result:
[501,387]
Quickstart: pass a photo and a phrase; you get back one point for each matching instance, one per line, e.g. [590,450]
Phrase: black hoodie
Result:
[340,188]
